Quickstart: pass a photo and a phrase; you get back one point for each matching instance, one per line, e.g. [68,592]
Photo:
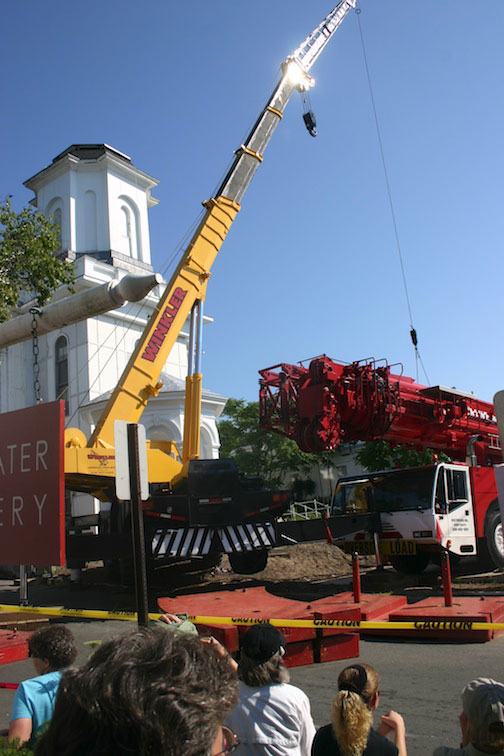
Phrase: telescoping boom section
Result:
[328,402]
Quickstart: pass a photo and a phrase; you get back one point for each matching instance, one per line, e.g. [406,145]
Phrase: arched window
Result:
[129,222]
[54,209]
[57,221]
[90,227]
[126,230]
[61,370]
[206,446]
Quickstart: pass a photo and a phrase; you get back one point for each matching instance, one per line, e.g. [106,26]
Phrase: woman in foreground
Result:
[350,732]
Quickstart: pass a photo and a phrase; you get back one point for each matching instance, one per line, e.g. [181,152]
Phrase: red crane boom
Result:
[330,402]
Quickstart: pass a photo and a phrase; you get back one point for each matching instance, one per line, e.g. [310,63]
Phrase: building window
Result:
[54,210]
[89,227]
[57,223]
[126,230]
[61,371]
[129,229]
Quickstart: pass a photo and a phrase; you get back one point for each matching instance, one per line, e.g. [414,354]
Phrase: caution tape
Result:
[343,624]
[55,611]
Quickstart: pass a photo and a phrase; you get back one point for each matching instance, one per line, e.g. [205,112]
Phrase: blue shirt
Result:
[34,700]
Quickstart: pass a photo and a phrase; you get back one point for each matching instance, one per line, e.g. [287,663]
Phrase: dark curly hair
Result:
[56,643]
[146,692]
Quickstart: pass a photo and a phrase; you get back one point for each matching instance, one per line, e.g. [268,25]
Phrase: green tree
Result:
[14,748]
[380,455]
[29,268]
[257,451]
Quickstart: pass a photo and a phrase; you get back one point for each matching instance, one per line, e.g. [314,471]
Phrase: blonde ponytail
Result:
[351,720]
[351,714]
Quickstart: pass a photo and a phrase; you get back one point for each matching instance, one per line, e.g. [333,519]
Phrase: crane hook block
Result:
[310,122]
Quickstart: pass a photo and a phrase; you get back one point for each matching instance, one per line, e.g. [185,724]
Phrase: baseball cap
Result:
[483,704]
[261,642]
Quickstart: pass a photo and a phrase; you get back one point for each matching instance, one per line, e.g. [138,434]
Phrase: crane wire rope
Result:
[413,333]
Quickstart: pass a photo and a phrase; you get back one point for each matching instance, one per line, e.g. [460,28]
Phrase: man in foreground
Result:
[481,720]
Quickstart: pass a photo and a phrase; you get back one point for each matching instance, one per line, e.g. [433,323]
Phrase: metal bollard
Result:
[447,582]
[327,529]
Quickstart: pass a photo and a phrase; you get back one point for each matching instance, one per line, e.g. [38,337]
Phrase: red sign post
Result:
[32,494]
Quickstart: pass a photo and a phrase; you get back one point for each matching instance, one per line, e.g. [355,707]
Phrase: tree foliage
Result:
[14,747]
[380,455]
[257,451]
[29,268]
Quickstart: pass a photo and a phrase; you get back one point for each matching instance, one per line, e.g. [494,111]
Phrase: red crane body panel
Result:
[328,402]
[484,495]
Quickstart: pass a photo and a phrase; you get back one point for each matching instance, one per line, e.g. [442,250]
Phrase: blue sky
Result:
[310,265]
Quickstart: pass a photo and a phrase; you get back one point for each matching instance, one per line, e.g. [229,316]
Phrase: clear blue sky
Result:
[310,265]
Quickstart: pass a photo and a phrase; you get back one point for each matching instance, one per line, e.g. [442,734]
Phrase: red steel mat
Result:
[13,646]
[304,645]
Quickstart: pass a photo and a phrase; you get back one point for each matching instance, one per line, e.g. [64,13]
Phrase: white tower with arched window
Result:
[100,201]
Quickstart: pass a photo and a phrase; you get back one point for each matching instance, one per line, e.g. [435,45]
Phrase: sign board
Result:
[122,461]
[32,492]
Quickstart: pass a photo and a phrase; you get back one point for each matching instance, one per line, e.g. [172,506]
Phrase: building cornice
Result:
[111,160]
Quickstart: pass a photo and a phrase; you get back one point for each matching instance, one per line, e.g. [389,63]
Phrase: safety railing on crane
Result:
[306,510]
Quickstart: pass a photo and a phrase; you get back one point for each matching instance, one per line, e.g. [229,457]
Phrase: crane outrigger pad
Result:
[304,645]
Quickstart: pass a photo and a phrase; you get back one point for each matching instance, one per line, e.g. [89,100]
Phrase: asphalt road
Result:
[421,680]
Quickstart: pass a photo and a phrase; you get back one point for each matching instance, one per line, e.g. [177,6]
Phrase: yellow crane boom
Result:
[89,463]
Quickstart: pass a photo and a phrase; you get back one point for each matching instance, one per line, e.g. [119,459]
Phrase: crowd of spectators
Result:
[166,690]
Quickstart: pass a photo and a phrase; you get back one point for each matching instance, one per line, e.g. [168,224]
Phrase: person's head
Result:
[52,647]
[352,709]
[482,717]
[261,654]
[145,692]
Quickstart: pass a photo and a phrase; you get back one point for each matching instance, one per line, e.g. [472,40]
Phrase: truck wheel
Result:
[494,536]
[410,565]
[248,562]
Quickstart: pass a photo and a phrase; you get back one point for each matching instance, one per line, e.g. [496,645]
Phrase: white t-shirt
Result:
[274,720]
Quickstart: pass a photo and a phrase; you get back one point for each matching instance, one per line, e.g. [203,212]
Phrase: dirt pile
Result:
[304,561]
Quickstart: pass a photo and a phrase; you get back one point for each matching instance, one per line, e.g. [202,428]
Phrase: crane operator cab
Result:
[424,509]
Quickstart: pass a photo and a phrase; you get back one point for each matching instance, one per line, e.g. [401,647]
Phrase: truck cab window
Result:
[440,501]
[457,488]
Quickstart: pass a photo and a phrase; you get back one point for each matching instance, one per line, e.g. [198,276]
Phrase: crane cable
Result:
[413,333]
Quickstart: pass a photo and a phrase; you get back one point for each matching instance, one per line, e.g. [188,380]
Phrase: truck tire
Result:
[411,565]
[494,538]
[248,562]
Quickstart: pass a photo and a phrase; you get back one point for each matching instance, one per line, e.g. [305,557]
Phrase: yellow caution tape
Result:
[354,625]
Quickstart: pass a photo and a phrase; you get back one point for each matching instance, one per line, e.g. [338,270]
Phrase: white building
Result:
[101,202]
